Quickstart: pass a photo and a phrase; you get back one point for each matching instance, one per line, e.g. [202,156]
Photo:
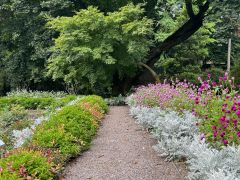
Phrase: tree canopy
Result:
[105,46]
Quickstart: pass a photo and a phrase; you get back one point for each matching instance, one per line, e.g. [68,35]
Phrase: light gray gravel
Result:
[122,151]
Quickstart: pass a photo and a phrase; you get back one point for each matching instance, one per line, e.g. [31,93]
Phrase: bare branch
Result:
[154,74]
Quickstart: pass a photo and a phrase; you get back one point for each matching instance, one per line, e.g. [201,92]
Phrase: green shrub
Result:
[70,130]
[56,137]
[96,100]
[36,94]
[15,113]
[27,103]
[23,163]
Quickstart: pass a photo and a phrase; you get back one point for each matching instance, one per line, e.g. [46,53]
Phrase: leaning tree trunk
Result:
[146,75]
[193,24]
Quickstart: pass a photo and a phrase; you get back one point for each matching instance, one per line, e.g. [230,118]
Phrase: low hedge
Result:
[67,133]
[27,103]
[36,102]
[96,101]
[70,131]
[25,164]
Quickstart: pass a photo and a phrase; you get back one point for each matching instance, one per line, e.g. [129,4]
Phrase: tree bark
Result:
[194,23]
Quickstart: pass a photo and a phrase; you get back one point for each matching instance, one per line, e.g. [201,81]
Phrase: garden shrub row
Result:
[66,134]
[35,102]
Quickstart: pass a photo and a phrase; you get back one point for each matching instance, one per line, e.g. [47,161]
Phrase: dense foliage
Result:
[93,48]
[98,44]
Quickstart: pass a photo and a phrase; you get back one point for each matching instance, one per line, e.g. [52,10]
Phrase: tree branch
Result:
[154,74]
[183,33]
[189,8]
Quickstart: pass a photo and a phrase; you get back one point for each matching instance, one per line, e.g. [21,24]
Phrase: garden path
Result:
[122,151]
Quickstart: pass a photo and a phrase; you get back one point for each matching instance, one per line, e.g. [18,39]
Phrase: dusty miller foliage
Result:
[178,137]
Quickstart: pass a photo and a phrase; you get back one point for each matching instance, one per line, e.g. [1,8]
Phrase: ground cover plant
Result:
[52,141]
[199,123]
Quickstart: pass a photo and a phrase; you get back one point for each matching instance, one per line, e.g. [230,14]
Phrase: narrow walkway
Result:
[122,151]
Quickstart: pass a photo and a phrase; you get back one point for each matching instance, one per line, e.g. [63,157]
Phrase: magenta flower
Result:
[214,84]
[227,97]
[214,127]
[238,113]
[215,133]
[223,118]
[238,134]
[234,108]
[222,134]
[228,111]
[225,142]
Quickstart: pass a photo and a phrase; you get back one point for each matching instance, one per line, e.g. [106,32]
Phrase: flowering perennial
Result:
[198,123]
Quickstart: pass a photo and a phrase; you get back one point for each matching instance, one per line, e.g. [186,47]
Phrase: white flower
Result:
[1,143]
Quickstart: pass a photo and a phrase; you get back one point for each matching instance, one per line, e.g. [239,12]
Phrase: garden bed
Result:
[197,124]
[41,147]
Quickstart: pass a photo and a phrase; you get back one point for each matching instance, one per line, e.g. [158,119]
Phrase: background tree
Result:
[176,25]
[94,49]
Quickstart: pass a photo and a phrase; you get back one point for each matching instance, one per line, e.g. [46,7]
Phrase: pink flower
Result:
[225,142]
[238,113]
[214,84]
[233,108]
[228,111]
[209,75]
[238,134]
[215,133]
[222,134]
[235,122]
[223,118]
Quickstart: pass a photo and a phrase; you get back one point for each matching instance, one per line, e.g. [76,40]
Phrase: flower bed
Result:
[196,123]
[19,116]
[65,134]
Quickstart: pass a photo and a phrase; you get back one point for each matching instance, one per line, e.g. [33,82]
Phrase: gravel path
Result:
[122,151]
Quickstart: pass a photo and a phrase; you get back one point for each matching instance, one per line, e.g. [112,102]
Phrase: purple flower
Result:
[202,136]
[238,113]
[225,142]
[238,134]
[215,133]
[222,134]
[228,111]
[209,75]
[223,118]
[214,84]
[233,108]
